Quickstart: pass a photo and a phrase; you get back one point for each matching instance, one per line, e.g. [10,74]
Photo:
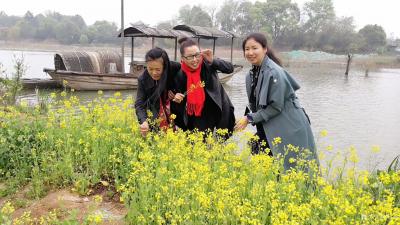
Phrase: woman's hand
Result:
[144,128]
[208,55]
[178,98]
[171,95]
[241,124]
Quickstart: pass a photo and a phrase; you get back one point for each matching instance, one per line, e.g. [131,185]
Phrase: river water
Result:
[357,110]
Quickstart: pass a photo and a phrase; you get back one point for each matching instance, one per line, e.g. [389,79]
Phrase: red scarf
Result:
[165,112]
[195,92]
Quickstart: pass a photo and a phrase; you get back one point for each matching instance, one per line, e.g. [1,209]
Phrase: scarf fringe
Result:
[194,109]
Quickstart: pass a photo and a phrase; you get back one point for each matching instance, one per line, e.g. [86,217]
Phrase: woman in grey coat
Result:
[273,105]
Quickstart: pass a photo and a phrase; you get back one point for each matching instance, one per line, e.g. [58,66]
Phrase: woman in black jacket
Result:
[152,93]
[202,101]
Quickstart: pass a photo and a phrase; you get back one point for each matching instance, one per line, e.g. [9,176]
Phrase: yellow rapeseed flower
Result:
[98,199]
[7,209]
[376,148]
[353,155]
[117,94]
[96,218]
[323,133]
[276,141]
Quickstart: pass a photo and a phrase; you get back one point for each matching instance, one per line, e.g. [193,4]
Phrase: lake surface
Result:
[355,110]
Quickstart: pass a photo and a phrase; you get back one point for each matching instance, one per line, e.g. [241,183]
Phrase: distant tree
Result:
[8,21]
[79,22]
[319,14]
[103,32]
[258,17]
[282,16]
[169,24]
[55,16]
[245,20]
[46,28]
[212,12]
[227,15]
[184,15]
[13,33]
[338,37]
[29,16]
[373,36]
[83,40]
[67,32]
[53,25]
[194,16]
[27,26]
[294,39]
[162,42]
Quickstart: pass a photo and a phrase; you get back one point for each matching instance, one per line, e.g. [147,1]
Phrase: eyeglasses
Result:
[192,57]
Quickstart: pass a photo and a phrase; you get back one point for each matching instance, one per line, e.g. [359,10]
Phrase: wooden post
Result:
[198,42]
[214,46]
[176,48]
[232,51]
[132,49]
[152,42]
[349,57]
[366,72]
[122,37]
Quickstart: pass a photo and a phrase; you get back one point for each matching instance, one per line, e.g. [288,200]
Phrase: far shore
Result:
[370,62]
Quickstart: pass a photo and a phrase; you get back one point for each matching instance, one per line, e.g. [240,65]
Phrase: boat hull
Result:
[91,81]
[83,81]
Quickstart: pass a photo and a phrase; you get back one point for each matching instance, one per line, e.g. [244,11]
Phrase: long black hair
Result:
[154,54]
[262,40]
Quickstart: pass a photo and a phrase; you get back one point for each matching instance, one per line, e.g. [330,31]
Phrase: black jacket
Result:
[225,114]
[149,91]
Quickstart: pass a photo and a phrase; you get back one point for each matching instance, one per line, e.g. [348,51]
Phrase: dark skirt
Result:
[207,120]
[262,143]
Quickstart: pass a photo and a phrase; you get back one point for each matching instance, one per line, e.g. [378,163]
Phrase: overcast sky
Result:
[383,12]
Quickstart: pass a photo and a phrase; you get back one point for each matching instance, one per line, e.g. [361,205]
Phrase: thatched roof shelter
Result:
[177,32]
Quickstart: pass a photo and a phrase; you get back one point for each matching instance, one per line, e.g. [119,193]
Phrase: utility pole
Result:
[122,37]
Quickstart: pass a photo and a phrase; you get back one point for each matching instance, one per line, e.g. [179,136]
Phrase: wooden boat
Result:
[32,83]
[93,81]
[101,70]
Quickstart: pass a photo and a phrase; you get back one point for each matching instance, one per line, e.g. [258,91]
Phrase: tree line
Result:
[313,27]
[53,26]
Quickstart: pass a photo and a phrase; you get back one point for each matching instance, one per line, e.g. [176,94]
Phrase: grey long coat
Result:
[280,113]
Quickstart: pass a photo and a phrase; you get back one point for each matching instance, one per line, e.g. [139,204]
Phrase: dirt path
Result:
[65,202]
